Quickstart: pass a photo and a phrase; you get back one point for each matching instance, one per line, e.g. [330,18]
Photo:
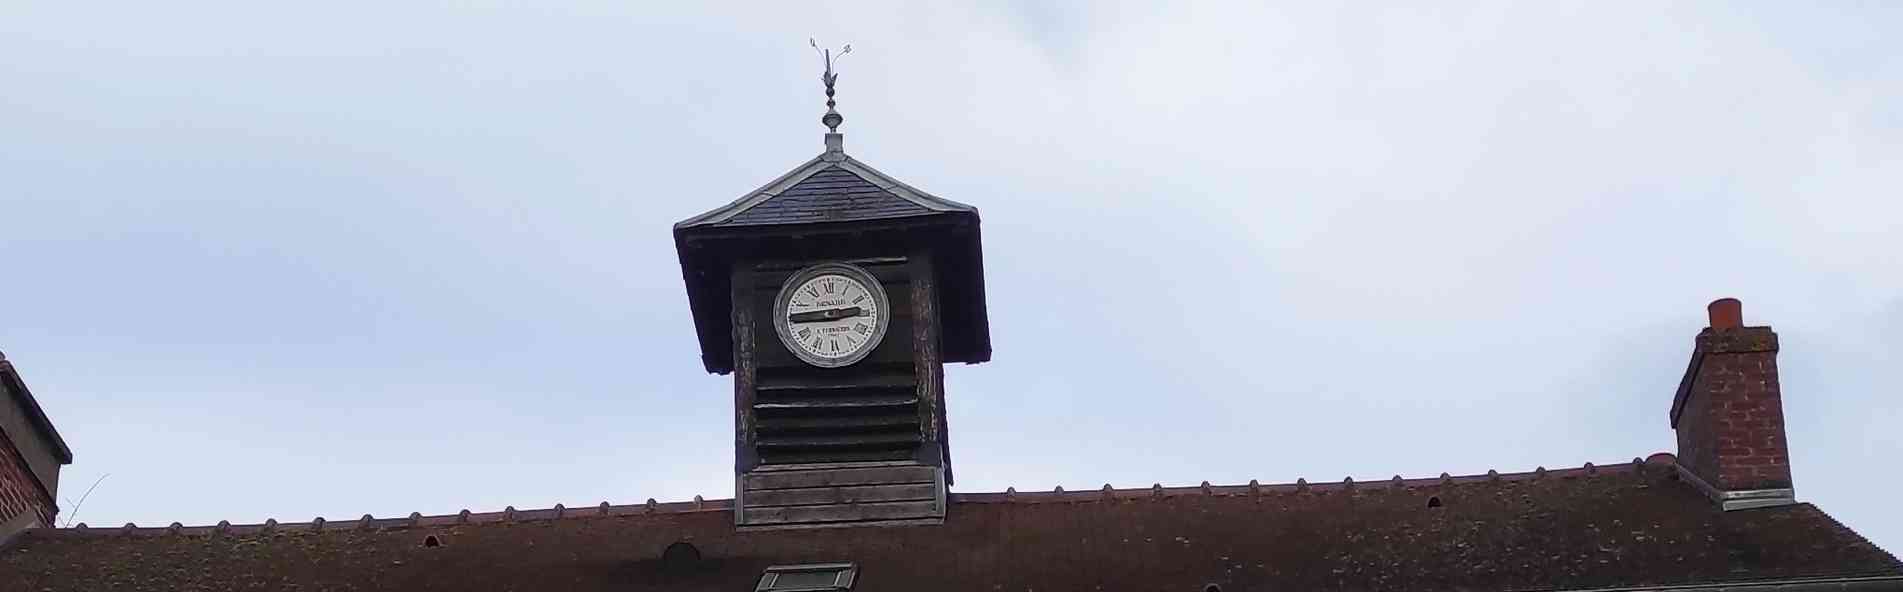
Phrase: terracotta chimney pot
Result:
[1726,313]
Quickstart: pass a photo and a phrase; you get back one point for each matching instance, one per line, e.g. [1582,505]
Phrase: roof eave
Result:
[824,161]
[23,397]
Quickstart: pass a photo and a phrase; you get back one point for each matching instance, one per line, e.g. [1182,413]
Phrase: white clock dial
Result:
[831,314]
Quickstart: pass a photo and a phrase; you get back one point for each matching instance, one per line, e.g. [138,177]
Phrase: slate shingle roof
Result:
[832,187]
[1624,525]
[834,192]
[830,195]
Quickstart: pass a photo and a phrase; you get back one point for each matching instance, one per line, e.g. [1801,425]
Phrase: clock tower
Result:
[834,295]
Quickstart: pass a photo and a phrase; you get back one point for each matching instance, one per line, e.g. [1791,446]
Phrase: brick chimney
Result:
[1729,414]
[31,454]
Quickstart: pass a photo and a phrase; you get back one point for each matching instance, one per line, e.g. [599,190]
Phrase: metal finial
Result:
[832,118]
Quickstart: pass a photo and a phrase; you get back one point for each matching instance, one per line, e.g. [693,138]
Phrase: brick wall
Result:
[1730,411]
[20,492]
[1696,446]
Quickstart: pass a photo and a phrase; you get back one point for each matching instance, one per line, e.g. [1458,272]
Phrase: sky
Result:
[347,258]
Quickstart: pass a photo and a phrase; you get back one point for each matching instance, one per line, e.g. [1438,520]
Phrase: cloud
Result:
[427,249]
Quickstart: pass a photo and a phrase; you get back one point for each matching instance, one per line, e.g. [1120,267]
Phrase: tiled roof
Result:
[831,195]
[832,187]
[1590,527]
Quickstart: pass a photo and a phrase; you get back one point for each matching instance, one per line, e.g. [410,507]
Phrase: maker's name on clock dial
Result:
[831,314]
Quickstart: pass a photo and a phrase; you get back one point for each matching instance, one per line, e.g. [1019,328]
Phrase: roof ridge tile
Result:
[699,503]
[1300,486]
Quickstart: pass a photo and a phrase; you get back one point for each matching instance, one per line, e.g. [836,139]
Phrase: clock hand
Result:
[820,316]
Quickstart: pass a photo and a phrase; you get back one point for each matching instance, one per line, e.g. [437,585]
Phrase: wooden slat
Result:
[848,440]
[889,270]
[837,402]
[901,368]
[842,495]
[797,456]
[840,513]
[838,394]
[745,371]
[901,381]
[826,423]
[839,477]
[928,366]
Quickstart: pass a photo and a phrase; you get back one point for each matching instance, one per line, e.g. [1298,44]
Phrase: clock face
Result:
[831,315]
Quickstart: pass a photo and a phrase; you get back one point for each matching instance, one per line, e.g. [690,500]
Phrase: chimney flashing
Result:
[1741,499]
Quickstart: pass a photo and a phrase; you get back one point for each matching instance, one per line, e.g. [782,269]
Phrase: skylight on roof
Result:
[812,577]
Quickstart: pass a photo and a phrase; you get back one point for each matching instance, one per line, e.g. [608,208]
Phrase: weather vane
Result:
[832,119]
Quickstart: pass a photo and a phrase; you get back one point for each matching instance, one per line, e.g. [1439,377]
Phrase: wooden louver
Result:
[871,418]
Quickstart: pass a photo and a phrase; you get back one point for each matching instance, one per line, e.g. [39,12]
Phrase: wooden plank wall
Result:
[833,496]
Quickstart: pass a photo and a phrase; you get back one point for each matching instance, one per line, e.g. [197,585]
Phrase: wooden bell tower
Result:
[825,434]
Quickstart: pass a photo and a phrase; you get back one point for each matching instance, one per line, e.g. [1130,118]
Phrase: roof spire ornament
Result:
[832,119]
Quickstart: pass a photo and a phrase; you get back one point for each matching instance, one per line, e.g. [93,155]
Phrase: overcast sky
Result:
[329,260]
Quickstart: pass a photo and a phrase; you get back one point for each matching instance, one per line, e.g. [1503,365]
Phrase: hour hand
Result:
[820,316]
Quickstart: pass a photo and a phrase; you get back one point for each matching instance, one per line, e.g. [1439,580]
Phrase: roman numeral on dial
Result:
[828,307]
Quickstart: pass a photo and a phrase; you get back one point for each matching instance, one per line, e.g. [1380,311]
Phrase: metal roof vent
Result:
[812,577]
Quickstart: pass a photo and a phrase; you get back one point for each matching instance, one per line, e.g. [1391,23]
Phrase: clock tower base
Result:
[840,494]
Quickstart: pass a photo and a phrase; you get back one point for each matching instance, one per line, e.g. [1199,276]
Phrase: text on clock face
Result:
[831,316]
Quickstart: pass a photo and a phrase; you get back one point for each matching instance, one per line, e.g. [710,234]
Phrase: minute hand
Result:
[820,316]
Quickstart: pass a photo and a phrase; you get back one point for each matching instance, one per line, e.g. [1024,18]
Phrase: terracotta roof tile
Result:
[1592,526]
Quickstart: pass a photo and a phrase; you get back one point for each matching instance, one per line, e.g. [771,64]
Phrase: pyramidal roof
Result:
[832,187]
[834,192]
